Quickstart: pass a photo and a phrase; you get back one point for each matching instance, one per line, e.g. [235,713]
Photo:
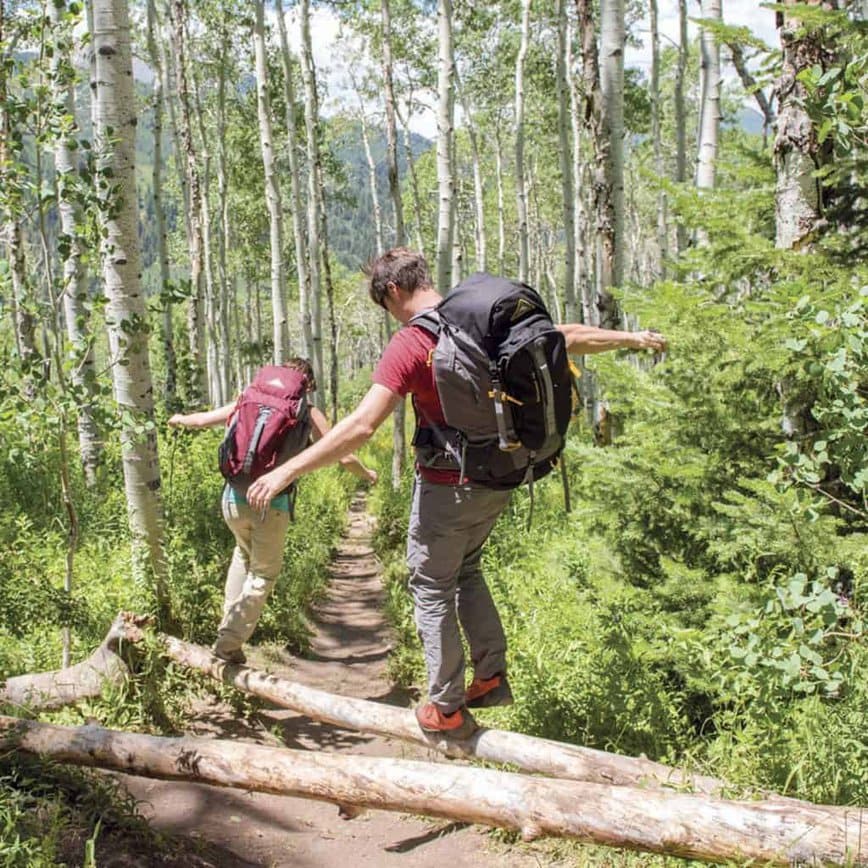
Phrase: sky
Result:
[325,29]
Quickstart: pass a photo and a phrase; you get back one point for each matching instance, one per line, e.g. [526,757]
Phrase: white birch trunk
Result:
[445,153]
[662,205]
[709,108]
[10,207]
[582,289]
[224,235]
[299,229]
[391,125]
[501,203]
[518,132]
[797,154]
[168,336]
[74,286]
[612,37]
[330,296]
[660,822]
[195,317]
[311,121]
[280,333]
[681,117]
[216,397]
[125,308]
[566,166]
[399,440]
[598,119]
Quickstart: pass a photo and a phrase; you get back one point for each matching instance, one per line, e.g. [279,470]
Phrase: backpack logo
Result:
[522,307]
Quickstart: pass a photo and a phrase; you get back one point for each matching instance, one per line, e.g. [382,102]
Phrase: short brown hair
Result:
[402,266]
[304,367]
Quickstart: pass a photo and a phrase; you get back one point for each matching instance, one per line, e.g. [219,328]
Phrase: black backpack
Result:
[503,378]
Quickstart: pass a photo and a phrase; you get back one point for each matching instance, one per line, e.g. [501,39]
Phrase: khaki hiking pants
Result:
[255,566]
[448,526]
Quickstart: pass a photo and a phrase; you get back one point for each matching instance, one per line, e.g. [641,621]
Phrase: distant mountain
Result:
[349,201]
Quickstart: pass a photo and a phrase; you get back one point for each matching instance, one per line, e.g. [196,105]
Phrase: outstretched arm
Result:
[348,435]
[203,419]
[584,339]
[321,427]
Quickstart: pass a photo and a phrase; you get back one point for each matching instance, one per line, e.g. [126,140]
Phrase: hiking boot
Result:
[459,724]
[236,657]
[488,692]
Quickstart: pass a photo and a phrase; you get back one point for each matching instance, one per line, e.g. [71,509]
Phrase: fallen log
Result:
[43,691]
[528,753]
[656,821]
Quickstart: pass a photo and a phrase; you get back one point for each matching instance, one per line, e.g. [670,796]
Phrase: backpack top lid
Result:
[486,307]
[285,384]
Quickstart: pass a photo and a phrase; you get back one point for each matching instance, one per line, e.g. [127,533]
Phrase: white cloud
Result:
[740,13]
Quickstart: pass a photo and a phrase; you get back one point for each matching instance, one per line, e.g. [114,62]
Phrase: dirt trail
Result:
[348,656]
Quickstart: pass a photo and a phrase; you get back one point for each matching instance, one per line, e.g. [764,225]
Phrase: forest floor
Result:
[237,829]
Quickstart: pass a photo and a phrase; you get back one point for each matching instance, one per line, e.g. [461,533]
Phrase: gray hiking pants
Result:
[448,526]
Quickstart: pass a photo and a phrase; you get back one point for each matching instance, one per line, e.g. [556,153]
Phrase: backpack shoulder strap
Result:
[428,320]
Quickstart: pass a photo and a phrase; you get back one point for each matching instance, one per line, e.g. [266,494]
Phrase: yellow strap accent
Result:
[505,397]
[430,360]
[573,369]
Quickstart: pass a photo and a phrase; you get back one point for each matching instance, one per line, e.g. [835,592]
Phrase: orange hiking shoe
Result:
[459,724]
[488,692]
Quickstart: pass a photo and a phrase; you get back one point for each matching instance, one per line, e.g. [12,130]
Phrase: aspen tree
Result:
[518,133]
[603,311]
[612,37]
[311,122]
[168,336]
[709,106]
[299,230]
[681,117]
[662,207]
[195,323]
[391,125]
[224,237]
[797,153]
[445,131]
[125,309]
[565,160]
[280,332]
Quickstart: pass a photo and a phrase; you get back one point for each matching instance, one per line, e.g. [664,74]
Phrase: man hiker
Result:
[451,517]
[260,532]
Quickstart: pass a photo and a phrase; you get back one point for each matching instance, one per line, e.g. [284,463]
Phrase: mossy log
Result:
[657,821]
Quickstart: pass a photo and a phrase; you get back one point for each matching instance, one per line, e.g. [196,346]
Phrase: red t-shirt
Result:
[405,368]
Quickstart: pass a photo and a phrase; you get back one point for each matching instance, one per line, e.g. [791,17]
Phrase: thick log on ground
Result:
[84,680]
[658,821]
[528,753]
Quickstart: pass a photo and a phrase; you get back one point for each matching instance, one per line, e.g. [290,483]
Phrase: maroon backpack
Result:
[270,423]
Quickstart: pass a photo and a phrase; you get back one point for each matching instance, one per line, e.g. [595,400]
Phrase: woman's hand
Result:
[267,487]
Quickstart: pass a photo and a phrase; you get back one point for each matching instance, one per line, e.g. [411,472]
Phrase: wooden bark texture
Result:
[500,746]
[84,680]
[653,821]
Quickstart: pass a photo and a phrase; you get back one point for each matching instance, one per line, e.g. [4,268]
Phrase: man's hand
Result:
[649,340]
[372,477]
[179,420]
[267,487]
